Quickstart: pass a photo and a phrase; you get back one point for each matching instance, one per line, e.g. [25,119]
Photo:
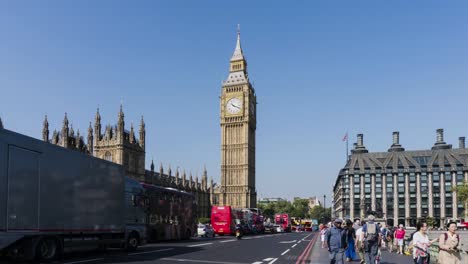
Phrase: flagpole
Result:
[347,139]
[347,152]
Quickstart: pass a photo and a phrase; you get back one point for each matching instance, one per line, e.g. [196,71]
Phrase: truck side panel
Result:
[23,189]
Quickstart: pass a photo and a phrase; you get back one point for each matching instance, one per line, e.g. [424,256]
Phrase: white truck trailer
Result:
[54,200]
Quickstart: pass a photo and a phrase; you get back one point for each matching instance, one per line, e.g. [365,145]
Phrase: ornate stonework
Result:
[238,125]
[121,146]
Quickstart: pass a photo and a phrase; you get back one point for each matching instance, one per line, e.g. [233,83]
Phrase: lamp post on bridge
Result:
[324,196]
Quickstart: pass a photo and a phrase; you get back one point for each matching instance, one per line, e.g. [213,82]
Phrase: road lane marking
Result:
[299,241]
[257,262]
[200,261]
[273,261]
[285,252]
[149,252]
[225,241]
[268,259]
[83,261]
[288,242]
[294,245]
[199,245]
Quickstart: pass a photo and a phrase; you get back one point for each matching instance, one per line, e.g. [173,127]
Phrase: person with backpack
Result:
[448,246]
[371,238]
[389,236]
[359,247]
[337,242]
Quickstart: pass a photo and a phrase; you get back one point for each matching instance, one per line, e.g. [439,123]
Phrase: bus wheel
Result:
[47,249]
[132,242]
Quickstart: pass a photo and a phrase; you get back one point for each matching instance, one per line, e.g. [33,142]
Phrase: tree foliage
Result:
[298,208]
[462,192]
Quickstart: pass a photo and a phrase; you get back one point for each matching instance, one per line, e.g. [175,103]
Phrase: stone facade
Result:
[238,125]
[402,187]
[121,146]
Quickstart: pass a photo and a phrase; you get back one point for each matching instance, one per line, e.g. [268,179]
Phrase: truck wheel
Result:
[132,242]
[47,250]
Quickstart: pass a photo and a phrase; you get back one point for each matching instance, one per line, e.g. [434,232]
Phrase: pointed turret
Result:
[161,172]
[72,131]
[121,124]
[45,130]
[1,123]
[238,65]
[97,126]
[238,54]
[152,171]
[204,178]
[184,179]
[77,140]
[169,172]
[191,180]
[90,139]
[177,180]
[132,134]
[55,137]
[65,132]
[142,133]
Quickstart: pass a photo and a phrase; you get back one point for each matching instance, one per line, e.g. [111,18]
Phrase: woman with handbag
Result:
[421,244]
[448,246]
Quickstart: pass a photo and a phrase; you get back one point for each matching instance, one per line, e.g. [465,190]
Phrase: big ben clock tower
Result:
[238,125]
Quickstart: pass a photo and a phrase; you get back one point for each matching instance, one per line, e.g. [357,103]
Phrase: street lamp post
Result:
[324,196]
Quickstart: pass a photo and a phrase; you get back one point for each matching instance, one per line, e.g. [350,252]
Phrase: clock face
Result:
[234,105]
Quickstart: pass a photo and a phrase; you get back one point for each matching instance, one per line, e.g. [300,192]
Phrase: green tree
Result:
[430,221]
[321,214]
[462,195]
[300,208]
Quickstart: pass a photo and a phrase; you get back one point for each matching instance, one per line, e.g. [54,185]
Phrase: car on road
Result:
[278,228]
[205,230]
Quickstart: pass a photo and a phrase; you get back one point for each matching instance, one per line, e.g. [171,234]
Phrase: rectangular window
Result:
[435,176]
[367,178]
[448,176]
[401,178]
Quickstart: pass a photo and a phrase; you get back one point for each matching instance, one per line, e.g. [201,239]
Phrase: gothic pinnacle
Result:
[1,123]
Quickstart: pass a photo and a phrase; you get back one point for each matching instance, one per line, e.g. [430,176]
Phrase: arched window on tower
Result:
[108,156]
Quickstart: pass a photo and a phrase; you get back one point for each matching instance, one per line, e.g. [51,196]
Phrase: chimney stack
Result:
[396,138]
[440,136]
[359,146]
[462,142]
[440,143]
[360,140]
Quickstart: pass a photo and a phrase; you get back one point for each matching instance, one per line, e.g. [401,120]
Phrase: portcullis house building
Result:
[402,187]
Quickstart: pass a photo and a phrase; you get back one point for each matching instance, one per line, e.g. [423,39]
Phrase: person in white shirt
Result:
[359,247]
[421,244]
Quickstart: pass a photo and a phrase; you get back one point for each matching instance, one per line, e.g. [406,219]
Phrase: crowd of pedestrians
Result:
[363,241]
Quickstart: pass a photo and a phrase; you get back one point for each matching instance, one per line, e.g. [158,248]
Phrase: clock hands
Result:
[235,106]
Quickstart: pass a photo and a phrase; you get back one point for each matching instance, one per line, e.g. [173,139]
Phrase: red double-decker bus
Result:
[225,218]
[284,221]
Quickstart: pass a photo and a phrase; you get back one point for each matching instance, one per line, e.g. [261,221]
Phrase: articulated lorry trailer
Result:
[54,200]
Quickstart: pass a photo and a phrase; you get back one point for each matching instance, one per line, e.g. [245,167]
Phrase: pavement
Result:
[319,255]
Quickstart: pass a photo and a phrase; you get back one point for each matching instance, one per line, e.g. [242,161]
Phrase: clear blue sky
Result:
[320,68]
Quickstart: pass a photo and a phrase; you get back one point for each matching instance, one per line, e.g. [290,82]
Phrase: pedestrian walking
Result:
[399,237]
[421,244]
[448,246]
[371,237]
[389,236]
[359,246]
[336,242]
[323,231]
[351,238]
